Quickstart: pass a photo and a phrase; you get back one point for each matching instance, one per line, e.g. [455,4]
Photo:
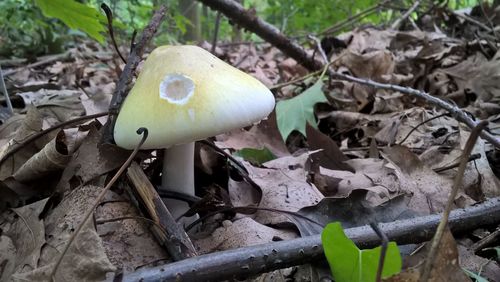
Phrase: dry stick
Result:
[469,19]
[247,261]
[456,112]
[399,21]
[3,88]
[420,124]
[383,249]
[250,21]
[492,26]
[451,198]
[120,218]
[321,51]
[355,17]
[46,131]
[89,212]
[49,59]
[245,209]
[176,241]
[247,19]
[216,32]
[121,90]
[109,16]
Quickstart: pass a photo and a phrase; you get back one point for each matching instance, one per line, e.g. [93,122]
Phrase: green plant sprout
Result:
[350,264]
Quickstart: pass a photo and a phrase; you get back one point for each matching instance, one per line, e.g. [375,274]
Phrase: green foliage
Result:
[298,16]
[255,156]
[293,114]
[25,32]
[348,263]
[76,16]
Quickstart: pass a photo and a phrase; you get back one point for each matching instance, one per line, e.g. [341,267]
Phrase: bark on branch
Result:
[248,261]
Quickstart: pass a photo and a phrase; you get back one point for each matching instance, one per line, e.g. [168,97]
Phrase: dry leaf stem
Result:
[89,212]
[429,263]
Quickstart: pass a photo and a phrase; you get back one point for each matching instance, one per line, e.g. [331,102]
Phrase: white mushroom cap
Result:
[184,94]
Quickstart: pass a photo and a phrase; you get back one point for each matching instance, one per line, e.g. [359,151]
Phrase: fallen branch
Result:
[248,20]
[247,261]
[398,22]
[175,240]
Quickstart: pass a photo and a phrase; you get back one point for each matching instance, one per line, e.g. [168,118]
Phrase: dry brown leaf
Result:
[128,243]
[86,259]
[371,175]
[90,161]
[429,189]
[53,157]
[32,124]
[284,186]
[240,233]
[27,234]
[446,265]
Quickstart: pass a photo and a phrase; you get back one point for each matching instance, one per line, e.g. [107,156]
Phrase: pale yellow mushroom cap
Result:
[184,94]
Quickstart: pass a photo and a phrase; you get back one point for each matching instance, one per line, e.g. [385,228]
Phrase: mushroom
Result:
[184,94]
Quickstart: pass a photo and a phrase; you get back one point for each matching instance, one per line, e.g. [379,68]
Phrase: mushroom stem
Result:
[178,175]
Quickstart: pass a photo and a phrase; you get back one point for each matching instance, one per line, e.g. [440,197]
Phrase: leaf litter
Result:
[343,152]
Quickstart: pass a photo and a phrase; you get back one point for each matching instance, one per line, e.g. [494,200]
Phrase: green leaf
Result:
[348,263]
[292,114]
[255,156]
[75,15]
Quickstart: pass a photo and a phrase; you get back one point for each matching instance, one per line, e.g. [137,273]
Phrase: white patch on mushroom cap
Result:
[176,88]
[191,114]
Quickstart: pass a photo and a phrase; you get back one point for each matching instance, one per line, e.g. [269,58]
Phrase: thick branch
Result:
[244,262]
[248,20]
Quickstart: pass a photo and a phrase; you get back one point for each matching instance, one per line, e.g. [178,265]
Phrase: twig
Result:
[355,17]
[280,85]
[216,33]
[420,124]
[49,59]
[176,241]
[472,157]
[3,88]
[121,90]
[456,112]
[109,16]
[471,20]
[120,218]
[247,261]
[318,46]
[46,131]
[436,241]
[383,249]
[89,212]
[245,209]
[266,31]
[492,26]
[269,33]
[399,21]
